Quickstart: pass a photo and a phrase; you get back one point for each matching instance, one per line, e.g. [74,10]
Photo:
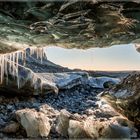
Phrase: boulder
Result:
[65,80]
[36,124]
[125,97]
[102,82]
[63,122]
[92,128]
[104,110]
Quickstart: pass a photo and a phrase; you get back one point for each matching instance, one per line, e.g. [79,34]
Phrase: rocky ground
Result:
[76,111]
[81,103]
[77,100]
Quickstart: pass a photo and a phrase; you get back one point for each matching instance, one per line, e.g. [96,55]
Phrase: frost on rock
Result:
[10,68]
[99,82]
[66,80]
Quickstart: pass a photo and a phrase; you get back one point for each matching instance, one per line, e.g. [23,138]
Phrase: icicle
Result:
[6,67]
[13,68]
[39,52]
[9,64]
[10,58]
[24,58]
[22,55]
[17,58]
[44,53]
[2,68]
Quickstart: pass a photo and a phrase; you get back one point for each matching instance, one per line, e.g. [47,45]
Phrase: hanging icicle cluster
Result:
[39,52]
[9,64]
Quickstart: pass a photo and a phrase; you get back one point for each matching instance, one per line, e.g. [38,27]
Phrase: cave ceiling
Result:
[68,23]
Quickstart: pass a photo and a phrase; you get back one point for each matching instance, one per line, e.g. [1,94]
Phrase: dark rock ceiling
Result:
[80,24]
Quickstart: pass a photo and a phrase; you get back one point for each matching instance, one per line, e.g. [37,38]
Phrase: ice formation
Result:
[9,65]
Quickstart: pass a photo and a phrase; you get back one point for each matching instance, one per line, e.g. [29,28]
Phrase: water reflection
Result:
[118,57]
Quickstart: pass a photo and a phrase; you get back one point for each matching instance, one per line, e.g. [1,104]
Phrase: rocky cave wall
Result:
[81,24]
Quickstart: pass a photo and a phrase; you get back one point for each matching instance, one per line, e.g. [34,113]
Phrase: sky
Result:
[115,58]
